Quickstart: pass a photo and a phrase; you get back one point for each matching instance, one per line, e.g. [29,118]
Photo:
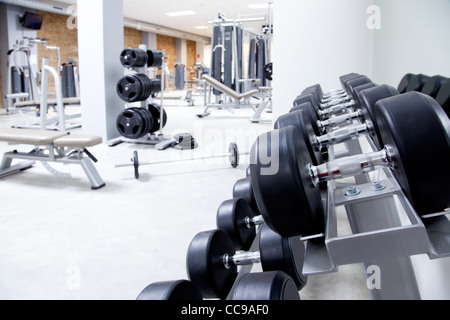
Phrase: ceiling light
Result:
[259,6]
[181,13]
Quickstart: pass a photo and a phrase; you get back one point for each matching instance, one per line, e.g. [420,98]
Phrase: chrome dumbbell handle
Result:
[344,119]
[241,259]
[327,103]
[342,135]
[350,166]
[253,222]
[326,113]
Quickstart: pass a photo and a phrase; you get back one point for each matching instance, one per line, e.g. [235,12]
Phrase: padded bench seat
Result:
[60,147]
[42,138]
[31,137]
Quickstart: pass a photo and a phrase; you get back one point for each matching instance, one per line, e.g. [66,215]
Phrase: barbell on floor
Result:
[233,155]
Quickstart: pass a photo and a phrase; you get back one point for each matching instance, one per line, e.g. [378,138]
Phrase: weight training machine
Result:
[230,88]
[23,88]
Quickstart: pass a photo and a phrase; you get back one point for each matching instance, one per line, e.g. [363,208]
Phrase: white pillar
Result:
[181,49]
[100,41]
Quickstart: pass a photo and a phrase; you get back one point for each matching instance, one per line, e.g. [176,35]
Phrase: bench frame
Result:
[51,153]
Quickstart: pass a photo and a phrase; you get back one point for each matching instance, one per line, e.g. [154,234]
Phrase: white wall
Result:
[414,38]
[316,41]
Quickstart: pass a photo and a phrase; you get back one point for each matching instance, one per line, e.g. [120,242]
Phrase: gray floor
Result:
[60,240]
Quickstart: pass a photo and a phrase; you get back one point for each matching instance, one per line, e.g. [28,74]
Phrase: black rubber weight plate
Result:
[155,111]
[310,115]
[417,131]
[443,97]
[307,97]
[290,204]
[129,88]
[368,99]
[417,82]
[205,263]
[283,254]
[130,124]
[434,85]
[297,119]
[404,83]
[146,120]
[243,189]
[181,290]
[231,219]
[265,286]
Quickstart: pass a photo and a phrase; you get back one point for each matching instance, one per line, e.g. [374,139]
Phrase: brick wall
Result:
[191,58]
[168,44]
[133,38]
[54,27]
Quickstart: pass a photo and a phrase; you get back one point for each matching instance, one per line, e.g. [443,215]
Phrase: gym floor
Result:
[62,241]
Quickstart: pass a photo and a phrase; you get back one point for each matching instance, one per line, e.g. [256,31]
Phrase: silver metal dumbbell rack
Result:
[386,232]
[159,140]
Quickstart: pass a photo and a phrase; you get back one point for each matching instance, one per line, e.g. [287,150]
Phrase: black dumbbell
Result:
[212,261]
[434,85]
[243,189]
[404,82]
[324,112]
[237,218]
[275,285]
[416,135]
[179,290]
[350,83]
[335,94]
[348,117]
[321,125]
[306,123]
[417,82]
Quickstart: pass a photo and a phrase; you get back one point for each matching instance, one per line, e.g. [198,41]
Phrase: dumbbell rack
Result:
[158,140]
[386,231]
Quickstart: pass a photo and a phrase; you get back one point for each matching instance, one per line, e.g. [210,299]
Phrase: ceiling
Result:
[154,12]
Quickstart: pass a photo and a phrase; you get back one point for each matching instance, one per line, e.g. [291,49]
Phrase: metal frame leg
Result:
[92,174]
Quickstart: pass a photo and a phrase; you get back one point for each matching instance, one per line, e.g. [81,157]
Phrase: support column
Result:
[100,41]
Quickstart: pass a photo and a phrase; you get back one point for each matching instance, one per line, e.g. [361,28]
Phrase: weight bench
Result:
[51,146]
